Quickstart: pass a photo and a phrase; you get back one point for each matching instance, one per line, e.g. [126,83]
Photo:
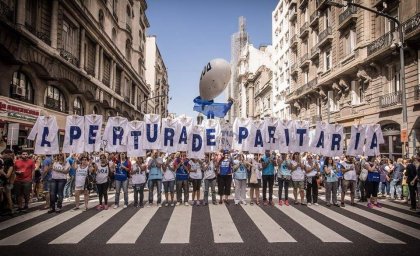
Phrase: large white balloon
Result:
[214,78]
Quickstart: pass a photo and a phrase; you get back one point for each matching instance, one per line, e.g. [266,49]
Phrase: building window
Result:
[305,77]
[327,14]
[78,107]
[128,50]
[389,24]
[349,42]
[21,87]
[357,92]
[70,42]
[54,99]
[327,60]
[31,8]
[393,79]
[333,101]
[95,111]
[115,8]
[101,19]
[318,107]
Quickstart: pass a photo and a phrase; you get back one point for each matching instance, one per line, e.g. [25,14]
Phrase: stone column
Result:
[111,75]
[54,23]
[82,48]
[101,63]
[21,7]
[251,106]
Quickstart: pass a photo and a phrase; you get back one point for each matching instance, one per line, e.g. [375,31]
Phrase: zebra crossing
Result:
[388,227]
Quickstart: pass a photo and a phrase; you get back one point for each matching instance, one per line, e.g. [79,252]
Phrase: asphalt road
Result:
[214,230]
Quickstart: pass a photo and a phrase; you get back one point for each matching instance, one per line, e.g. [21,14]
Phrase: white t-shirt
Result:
[271,127]
[135,145]
[117,125]
[284,134]
[56,171]
[168,174]
[151,137]
[181,137]
[38,130]
[371,130]
[256,138]
[137,177]
[102,174]
[352,150]
[93,120]
[243,144]
[215,125]
[349,175]
[311,173]
[195,173]
[256,168]
[79,144]
[298,174]
[209,172]
[81,174]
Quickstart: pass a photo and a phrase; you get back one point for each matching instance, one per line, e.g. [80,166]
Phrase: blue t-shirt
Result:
[46,162]
[339,170]
[269,170]
[121,174]
[72,171]
[181,172]
[155,172]
[241,172]
[284,170]
[225,167]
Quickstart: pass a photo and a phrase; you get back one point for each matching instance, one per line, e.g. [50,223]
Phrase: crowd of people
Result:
[25,178]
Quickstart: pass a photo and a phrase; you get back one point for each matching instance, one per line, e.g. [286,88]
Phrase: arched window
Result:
[54,99]
[21,87]
[128,50]
[78,107]
[114,34]
[101,18]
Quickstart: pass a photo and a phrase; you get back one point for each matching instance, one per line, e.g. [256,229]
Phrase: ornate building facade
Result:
[62,57]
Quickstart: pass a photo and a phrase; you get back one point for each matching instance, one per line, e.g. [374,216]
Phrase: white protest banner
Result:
[93,127]
[300,135]
[318,145]
[241,128]
[74,136]
[170,126]
[374,137]
[357,140]
[270,131]
[256,140]
[196,142]
[335,140]
[45,130]
[152,130]
[212,134]
[115,134]
[226,138]
[185,125]
[135,131]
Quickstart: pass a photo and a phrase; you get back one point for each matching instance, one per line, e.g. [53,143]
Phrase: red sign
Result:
[12,108]
[404,137]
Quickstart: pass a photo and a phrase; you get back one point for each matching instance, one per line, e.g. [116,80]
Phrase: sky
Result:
[190,33]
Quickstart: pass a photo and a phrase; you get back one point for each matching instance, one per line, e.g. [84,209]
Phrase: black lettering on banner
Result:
[206,69]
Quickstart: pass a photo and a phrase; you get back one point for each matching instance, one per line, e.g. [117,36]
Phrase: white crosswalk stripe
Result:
[224,230]
[324,233]
[272,231]
[132,229]
[82,230]
[179,226]
[384,221]
[360,228]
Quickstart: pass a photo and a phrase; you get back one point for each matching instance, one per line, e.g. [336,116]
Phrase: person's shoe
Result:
[303,203]
[328,205]
[106,207]
[336,204]
[270,203]
[370,205]
[166,204]
[280,202]
[186,204]
[125,206]
[342,204]
[159,205]
[412,209]
[178,203]
[193,203]
[75,208]
[198,203]
[58,210]
[226,202]
[220,202]
[286,202]
[244,202]
[51,211]
[265,203]
[99,207]
[296,202]
[215,203]
[316,204]
[378,205]
[115,206]
[353,204]
[149,205]
[205,204]
[236,202]
[141,205]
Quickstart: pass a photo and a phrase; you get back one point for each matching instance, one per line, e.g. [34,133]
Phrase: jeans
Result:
[151,184]
[362,188]
[138,190]
[284,183]
[268,179]
[240,190]
[103,192]
[182,185]
[210,183]
[69,187]
[23,189]
[118,185]
[312,190]
[331,187]
[413,200]
[57,192]
[383,186]
[395,187]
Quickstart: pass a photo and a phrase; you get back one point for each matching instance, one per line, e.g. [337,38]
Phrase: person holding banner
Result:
[372,182]
[312,174]
[60,169]
[182,166]
[155,177]
[298,178]
[284,177]
[349,181]
[268,162]
[331,181]
[138,179]
[196,176]
[82,185]
[209,178]
[240,176]
[255,179]
[224,178]
[103,171]
[168,179]
[122,169]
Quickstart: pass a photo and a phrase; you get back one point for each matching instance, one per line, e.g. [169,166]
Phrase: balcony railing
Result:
[346,14]
[417,92]
[44,37]
[316,118]
[293,40]
[314,50]
[302,4]
[313,83]
[90,70]
[380,43]
[390,99]
[292,3]
[293,67]
[313,18]
[5,12]
[411,24]
[324,34]
[304,29]
[54,105]
[304,58]
[292,14]
[69,57]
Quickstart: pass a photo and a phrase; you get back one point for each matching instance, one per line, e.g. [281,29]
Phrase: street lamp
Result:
[401,46]
[157,96]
